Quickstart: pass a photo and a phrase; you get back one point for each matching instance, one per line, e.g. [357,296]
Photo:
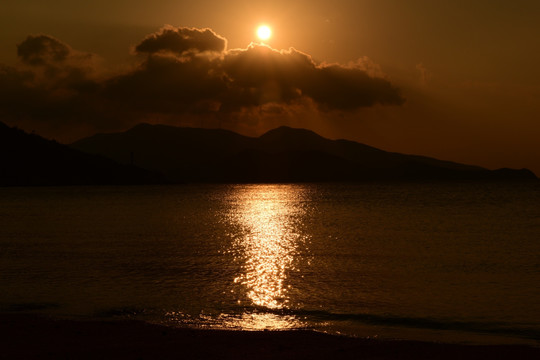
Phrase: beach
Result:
[37,337]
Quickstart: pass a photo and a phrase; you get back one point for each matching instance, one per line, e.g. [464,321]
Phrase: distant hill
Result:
[27,159]
[281,155]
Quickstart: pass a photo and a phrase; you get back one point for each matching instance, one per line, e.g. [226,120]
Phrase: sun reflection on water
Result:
[270,241]
[260,321]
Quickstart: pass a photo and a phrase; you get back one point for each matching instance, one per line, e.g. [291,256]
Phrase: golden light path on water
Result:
[270,241]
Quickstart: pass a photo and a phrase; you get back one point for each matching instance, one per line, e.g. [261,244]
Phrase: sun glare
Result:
[264,32]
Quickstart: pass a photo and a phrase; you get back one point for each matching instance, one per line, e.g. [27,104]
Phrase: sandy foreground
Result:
[32,337]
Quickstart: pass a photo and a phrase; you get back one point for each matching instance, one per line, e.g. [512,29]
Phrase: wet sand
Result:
[32,337]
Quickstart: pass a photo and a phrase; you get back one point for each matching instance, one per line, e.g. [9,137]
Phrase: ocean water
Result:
[437,262]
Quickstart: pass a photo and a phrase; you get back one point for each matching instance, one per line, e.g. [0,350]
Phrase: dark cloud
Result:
[45,50]
[185,72]
[266,75]
[166,84]
[181,40]
[336,87]
[56,65]
[42,50]
[55,89]
[246,78]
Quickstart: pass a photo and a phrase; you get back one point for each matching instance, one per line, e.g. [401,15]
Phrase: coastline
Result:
[25,336]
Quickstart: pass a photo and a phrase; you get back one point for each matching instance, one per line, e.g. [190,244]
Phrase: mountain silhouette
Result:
[28,159]
[280,155]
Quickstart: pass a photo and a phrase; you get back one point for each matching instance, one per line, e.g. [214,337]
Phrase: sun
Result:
[264,32]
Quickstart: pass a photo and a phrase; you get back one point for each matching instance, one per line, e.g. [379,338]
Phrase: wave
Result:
[306,319]
[521,330]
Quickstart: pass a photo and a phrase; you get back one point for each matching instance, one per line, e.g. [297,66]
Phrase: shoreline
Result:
[31,336]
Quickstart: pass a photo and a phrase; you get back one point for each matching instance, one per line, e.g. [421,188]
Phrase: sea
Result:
[455,263]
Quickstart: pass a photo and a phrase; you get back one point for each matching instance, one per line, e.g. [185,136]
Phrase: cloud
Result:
[47,51]
[56,65]
[181,40]
[185,72]
[261,75]
[54,89]
[42,50]
[166,84]
[245,78]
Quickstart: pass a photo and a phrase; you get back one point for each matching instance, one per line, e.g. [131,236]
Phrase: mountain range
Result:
[28,160]
[284,154]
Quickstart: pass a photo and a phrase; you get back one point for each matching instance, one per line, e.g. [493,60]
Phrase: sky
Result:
[456,80]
